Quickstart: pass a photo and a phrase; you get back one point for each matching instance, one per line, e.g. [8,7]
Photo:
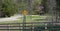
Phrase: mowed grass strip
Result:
[37,18]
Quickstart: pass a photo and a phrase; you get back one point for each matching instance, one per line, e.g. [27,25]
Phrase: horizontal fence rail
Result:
[19,26]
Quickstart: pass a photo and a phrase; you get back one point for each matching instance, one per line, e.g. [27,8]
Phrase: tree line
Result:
[11,7]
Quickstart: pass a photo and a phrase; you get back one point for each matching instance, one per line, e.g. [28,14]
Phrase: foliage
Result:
[9,7]
[58,5]
[30,5]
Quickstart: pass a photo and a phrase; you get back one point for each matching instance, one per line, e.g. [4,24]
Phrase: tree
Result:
[9,7]
[58,7]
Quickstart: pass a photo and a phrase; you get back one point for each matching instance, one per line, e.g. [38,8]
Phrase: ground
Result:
[19,18]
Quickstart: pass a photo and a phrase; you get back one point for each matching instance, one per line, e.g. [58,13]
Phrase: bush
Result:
[9,7]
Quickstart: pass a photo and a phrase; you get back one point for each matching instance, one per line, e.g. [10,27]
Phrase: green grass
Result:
[28,19]
[33,16]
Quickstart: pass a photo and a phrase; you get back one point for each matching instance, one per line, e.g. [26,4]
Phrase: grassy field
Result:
[29,18]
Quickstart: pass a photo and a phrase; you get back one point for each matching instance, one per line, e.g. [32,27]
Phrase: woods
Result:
[35,7]
[8,8]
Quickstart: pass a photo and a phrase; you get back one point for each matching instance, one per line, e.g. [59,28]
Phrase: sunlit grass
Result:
[29,18]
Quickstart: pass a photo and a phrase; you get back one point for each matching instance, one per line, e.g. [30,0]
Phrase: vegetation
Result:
[9,8]
[58,7]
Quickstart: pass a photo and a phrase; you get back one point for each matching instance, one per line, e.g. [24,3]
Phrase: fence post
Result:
[24,22]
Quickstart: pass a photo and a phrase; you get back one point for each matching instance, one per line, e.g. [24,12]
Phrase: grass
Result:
[28,19]
[33,16]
